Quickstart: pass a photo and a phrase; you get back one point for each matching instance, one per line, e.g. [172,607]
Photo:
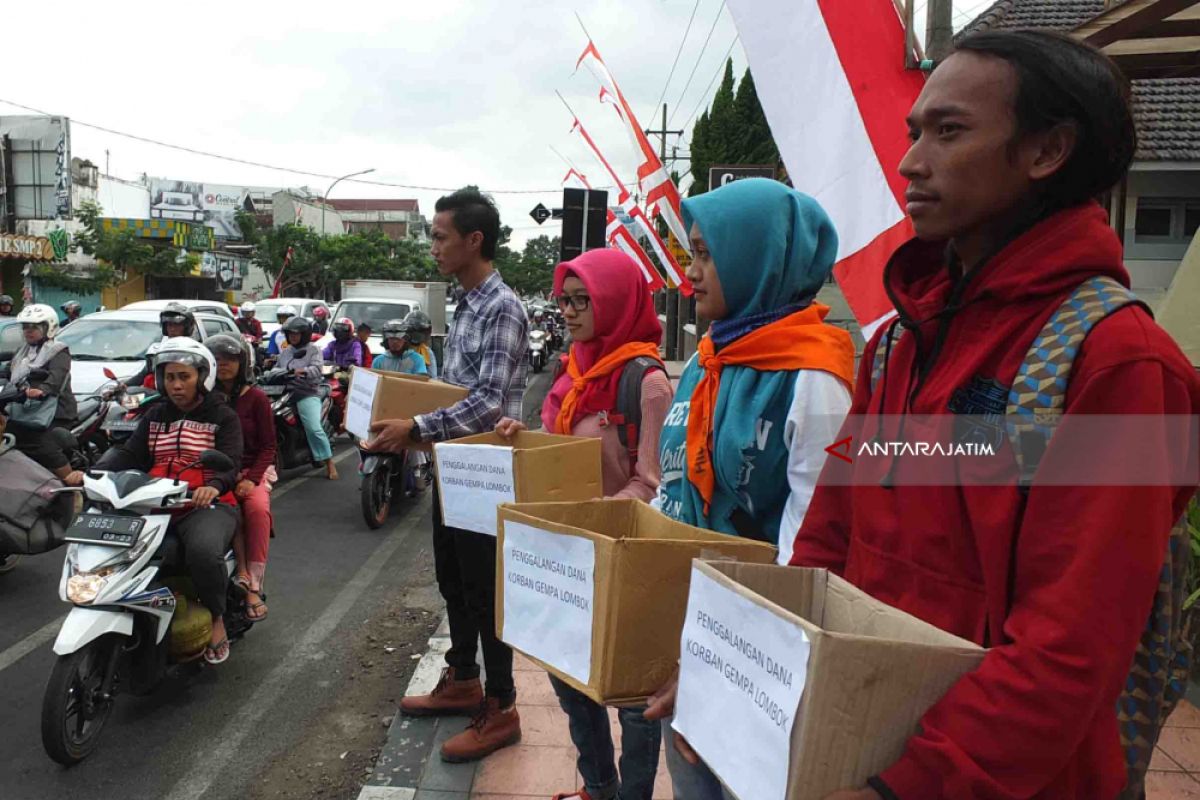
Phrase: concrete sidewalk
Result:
[543,764]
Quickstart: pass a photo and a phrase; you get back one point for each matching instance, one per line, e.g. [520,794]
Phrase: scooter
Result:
[386,475]
[291,443]
[537,349]
[115,637]
[339,385]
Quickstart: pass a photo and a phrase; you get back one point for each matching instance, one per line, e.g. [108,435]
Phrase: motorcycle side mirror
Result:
[108,373]
[216,461]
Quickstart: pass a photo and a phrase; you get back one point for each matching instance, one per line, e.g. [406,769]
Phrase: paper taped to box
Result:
[476,474]
[794,684]
[595,591]
[374,395]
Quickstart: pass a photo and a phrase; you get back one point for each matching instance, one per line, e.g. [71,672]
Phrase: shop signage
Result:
[31,248]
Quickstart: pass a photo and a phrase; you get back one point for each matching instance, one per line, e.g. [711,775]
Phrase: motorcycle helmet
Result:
[301,326]
[71,307]
[285,313]
[40,314]
[185,350]
[229,346]
[6,300]
[342,329]
[320,312]
[420,326]
[178,314]
[396,329]
[247,309]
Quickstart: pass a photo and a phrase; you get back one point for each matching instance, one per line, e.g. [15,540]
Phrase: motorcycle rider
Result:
[399,356]
[364,333]
[249,325]
[73,311]
[321,320]
[167,443]
[419,334]
[174,320]
[6,305]
[257,473]
[39,324]
[344,351]
[278,339]
[303,359]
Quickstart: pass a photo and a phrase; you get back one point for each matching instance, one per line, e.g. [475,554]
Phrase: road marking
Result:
[211,766]
[32,642]
[292,484]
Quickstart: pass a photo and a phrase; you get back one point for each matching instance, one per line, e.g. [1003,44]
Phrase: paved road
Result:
[209,735]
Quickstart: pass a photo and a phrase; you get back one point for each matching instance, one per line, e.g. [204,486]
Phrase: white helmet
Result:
[246,308]
[39,313]
[185,350]
[286,311]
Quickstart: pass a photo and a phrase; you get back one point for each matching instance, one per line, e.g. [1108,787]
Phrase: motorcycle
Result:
[338,379]
[291,443]
[116,576]
[127,405]
[537,349]
[384,475]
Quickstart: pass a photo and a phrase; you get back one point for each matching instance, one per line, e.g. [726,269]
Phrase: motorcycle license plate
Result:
[120,425]
[273,391]
[107,529]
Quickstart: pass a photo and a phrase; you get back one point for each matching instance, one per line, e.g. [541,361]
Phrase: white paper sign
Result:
[549,597]
[359,403]
[741,673]
[473,479]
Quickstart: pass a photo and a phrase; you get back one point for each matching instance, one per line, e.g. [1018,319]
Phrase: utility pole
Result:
[674,299]
[939,30]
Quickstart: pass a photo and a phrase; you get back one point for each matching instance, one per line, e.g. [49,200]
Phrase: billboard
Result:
[39,155]
[211,204]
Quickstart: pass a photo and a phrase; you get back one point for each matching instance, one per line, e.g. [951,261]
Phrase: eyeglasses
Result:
[579,302]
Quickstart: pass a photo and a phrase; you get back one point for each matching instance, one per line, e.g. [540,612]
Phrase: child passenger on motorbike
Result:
[302,358]
[167,444]
[257,473]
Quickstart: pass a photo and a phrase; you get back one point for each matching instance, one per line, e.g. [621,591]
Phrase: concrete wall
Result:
[287,208]
[118,198]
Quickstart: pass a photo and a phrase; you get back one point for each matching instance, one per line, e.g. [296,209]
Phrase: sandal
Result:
[217,653]
[256,612]
[578,794]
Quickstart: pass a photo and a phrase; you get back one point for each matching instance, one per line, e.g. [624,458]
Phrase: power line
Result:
[276,168]
[704,96]
[678,53]
[699,58]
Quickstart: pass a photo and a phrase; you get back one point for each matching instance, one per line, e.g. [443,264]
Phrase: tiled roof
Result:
[1167,110]
[374,204]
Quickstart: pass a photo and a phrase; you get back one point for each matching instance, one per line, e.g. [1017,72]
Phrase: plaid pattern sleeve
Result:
[486,354]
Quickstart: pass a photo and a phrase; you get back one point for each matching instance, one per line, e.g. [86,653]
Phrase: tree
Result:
[123,250]
[733,131]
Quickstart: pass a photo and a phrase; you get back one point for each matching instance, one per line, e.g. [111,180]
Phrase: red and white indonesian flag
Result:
[830,76]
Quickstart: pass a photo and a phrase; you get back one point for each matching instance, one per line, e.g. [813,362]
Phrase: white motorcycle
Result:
[537,349]
[124,630]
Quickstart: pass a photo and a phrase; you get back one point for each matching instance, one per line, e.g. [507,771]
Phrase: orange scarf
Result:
[798,341]
[605,366]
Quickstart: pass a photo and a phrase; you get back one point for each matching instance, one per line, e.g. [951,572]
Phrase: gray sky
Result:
[429,94]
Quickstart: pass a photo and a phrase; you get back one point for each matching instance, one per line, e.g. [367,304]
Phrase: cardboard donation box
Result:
[478,473]
[794,684]
[595,591]
[374,395]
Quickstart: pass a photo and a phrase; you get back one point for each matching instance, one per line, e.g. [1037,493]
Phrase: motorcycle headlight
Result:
[83,589]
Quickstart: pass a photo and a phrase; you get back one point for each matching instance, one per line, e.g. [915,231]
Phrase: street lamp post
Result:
[325,199]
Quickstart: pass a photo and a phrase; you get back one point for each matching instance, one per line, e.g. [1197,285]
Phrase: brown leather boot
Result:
[449,697]
[490,730]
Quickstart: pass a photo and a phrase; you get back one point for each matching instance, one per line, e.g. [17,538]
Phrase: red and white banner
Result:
[287,260]
[619,237]
[830,76]
[673,272]
[659,192]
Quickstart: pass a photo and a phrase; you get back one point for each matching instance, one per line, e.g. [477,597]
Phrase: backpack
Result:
[627,416]
[1159,673]
[32,520]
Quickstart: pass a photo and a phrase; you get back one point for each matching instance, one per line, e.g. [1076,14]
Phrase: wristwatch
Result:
[414,433]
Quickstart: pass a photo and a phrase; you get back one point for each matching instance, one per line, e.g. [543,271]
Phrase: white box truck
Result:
[375,302]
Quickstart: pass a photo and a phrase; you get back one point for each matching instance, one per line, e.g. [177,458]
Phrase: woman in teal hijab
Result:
[767,391]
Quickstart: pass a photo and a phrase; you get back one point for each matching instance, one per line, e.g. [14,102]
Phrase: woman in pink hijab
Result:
[610,315]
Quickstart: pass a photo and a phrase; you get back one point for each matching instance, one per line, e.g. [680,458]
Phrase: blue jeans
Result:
[640,740]
[309,409]
[688,781]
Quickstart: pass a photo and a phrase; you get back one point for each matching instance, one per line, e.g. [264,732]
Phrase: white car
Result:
[195,306]
[118,340]
[265,310]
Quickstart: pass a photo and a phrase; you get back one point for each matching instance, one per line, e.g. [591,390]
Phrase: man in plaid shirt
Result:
[485,352]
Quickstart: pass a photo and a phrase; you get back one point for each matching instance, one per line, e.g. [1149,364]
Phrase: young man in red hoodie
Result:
[1013,136]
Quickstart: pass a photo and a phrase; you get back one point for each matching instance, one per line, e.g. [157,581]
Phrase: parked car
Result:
[206,306]
[11,340]
[264,310]
[118,340]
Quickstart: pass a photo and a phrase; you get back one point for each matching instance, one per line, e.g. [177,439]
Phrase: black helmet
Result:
[419,327]
[6,300]
[178,314]
[396,329]
[226,345]
[301,326]
[342,330]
